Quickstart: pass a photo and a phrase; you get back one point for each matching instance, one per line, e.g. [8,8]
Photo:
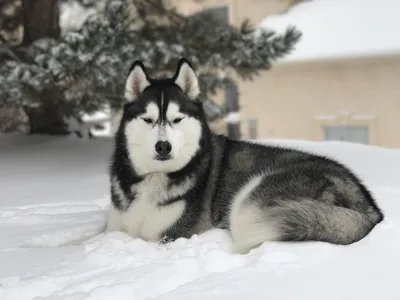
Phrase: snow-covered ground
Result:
[54,191]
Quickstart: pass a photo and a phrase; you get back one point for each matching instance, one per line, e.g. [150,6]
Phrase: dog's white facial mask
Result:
[162,138]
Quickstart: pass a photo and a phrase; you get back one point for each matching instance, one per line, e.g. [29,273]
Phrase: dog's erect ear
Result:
[186,79]
[137,81]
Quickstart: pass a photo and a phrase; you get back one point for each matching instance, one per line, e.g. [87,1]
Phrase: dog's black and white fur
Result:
[171,177]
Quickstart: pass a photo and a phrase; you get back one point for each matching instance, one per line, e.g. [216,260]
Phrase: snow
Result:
[101,118]
[54,196]
[97,117]
[341,28]
[232,118]
[73,15]
[325,117]
[364,117]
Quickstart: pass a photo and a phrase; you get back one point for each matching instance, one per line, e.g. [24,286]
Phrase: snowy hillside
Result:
[54,191]
[341,28]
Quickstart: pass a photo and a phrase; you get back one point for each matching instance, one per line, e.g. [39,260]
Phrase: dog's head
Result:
[163,121]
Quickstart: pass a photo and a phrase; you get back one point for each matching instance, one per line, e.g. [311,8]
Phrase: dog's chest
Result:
[148,217]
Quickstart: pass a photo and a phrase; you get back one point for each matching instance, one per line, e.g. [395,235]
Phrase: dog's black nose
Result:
[163,148]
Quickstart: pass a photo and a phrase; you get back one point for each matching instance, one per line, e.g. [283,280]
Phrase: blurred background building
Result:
[341,82]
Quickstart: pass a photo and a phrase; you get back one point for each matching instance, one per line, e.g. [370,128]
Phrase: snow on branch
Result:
[88,64]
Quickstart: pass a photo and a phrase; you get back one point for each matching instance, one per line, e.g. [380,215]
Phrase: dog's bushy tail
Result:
[311,220]
[302,220]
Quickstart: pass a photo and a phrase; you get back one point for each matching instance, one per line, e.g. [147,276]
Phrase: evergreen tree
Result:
[84,70]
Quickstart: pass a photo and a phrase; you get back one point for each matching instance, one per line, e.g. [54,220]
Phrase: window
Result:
[353,134]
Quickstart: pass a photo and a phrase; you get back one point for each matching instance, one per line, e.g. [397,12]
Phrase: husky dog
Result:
[171,177]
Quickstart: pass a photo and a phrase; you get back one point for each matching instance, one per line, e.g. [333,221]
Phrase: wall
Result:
[295,100]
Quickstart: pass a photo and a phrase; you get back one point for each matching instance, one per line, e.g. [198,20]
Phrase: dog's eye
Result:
[177,120]
[147,120]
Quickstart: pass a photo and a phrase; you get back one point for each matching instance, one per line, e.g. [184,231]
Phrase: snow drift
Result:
[56,191]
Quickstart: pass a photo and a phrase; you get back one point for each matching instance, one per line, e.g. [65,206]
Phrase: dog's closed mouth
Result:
[163,157]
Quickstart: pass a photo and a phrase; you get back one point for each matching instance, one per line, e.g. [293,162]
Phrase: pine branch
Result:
[89,67]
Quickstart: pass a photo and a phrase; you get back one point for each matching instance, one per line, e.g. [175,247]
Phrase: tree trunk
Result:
[40,19]
[48,118]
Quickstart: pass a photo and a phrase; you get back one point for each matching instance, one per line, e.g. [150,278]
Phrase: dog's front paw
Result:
[166,240]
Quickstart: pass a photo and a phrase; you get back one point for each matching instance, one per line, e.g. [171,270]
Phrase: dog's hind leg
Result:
[250,227]
[247,221]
